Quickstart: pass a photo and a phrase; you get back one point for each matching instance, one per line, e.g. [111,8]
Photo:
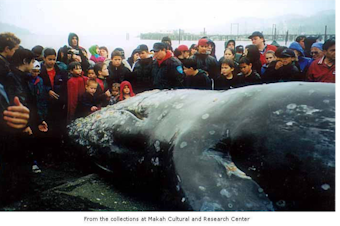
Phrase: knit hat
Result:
[318,45]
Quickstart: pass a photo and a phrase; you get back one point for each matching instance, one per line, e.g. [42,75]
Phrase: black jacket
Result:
[142,75]
[284,74]
[118,74]
[208,64]
[85,103]
[222,83]
[168,75]
[252,79]
[17,84]
[199,81]
[4,69]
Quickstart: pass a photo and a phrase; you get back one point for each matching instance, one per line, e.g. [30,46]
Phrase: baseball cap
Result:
[202,42]
[183,48]
[142,47]
[158,46]
[36,65]
[256,33]
[287,53]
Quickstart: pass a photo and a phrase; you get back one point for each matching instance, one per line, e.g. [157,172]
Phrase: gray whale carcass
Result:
[263,147]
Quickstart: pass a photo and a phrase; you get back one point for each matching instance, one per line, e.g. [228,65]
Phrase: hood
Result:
[93,50]
[70,36]
[122,85]
[167,56]
[227,43]
[296,46]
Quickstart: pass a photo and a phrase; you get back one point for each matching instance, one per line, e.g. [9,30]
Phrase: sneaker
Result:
[35,169]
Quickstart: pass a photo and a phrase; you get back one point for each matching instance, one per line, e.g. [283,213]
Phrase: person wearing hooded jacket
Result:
[76,50]
[95,57]
[167,71]
[205,61]
[303,62]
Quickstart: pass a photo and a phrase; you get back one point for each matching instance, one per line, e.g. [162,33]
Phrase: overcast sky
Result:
[135,16]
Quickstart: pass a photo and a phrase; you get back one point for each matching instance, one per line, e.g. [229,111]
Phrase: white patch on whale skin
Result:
[290,123]
[325,187]
[183,144]
[291,106]
[202,188]
[157,146]
[326,101]
[212,132]
[225,193]
[179,106]
[281,203]
[155,161]
[205,116]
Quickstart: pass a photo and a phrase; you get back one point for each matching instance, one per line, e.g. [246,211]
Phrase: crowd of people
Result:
[42,90]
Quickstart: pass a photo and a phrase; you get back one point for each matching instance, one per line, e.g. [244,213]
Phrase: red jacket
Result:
[263,53]
[318,71]
[75,88]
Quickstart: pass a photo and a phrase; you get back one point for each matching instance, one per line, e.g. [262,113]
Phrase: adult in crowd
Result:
[323,69]
[257,39]
[77,52]
[167,71]
[316,51]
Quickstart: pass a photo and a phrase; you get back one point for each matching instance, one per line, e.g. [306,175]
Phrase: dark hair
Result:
[116,53]
[49,52]
[300,37]
[98,67]
[22,56]
[227,43]
[103,47]
[328,43]
[177,53]
[232,50]
[166,39]
[37,50]
[229,62]
[244,60]
[73,65]
[190,63]
[253,53]
[8,39]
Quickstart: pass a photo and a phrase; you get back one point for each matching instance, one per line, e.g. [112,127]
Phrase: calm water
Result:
[111,42]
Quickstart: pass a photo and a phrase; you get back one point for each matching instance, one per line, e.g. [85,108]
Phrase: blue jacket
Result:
[38,90]
[304,62]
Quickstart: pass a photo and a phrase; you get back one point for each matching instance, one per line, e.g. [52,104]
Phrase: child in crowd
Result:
[75,88]
[195,78]
[133,59]
[103,94]
[183,52]
[124,61]
[229,53]
[117,71]
[37,88]
[114,93]
[88,102]
[192,50]
[270,56]
[283,69]
[247,76]
[125,91]
[95,57]
[227,79]
[90,73]
[142,71]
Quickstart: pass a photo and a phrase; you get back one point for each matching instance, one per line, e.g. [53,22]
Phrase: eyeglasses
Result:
[312,53]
